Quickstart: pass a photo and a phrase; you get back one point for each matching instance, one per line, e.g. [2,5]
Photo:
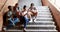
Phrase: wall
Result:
[55,12]
[2,3]
[5,9]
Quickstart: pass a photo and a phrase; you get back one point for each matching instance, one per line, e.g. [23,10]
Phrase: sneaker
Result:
[24,30]
[4,29]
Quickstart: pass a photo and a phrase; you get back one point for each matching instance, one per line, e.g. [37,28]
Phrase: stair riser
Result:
[14,31]
[41,31]
[43,12]
[49,28]
[44,20]
[44,16]
[41,24]
[31,31]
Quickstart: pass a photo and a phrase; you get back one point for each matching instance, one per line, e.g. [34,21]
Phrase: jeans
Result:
[11,22]
[26,22]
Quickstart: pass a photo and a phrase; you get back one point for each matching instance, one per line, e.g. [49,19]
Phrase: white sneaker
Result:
[4,29]
[24,28]
[30,20]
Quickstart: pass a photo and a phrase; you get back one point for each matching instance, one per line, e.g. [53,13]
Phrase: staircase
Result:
[43,23]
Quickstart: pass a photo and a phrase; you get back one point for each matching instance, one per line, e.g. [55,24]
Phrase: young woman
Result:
[33,10]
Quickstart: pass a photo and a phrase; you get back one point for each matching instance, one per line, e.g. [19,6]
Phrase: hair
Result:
[9,7]
[16,4]
[24,6]
[32,4]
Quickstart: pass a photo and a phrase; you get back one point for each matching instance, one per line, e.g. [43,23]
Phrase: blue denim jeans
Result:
[11,22]
[26,22]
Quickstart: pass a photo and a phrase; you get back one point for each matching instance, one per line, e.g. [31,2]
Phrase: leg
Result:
[26,22]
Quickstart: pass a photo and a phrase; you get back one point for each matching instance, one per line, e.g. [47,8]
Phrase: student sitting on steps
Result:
[32,11]
[26,16]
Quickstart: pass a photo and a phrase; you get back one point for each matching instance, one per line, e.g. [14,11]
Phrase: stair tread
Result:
[32,30]
[44,22]
[41,26]
[39,30]
[44,18]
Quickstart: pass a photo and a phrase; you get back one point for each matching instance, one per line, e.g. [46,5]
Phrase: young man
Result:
[26,16]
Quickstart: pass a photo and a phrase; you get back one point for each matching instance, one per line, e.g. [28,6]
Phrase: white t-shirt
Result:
[25,12]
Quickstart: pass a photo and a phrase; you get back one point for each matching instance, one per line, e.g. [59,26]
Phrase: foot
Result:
[24,28]
[4,29]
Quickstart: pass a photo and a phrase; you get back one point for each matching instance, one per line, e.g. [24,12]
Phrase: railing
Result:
[3,5]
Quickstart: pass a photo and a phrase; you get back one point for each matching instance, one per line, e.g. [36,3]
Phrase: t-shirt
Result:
[9,13]
[26,14]
[17,9]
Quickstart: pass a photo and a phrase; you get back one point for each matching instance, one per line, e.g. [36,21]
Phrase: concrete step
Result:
[43,9]
[44,12]
[40,10]
[40,7]
[51,27]
[43,17]
[31,30]
[41,23]
[41,13]
[44,20]
[41,26]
